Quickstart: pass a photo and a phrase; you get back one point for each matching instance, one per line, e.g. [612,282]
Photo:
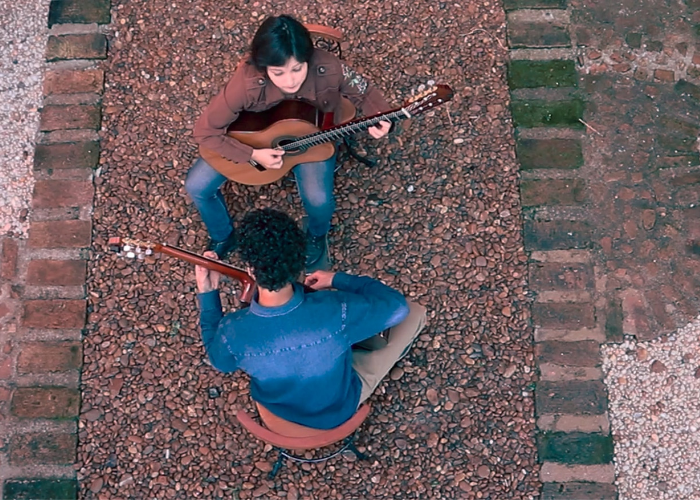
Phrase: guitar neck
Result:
[246,280]
[347,129]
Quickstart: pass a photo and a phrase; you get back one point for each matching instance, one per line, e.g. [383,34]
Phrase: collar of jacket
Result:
[293,303]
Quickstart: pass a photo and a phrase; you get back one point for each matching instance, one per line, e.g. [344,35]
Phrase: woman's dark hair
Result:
[278,39]
[274,246]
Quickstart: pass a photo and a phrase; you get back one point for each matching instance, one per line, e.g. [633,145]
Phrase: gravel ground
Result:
[439,219]
[655,415]
[23,36]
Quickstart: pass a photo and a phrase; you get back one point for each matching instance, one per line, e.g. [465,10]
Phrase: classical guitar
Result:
[139,249]
[304,133]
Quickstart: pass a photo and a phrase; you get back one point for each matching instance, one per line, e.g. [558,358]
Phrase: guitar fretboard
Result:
[341,131]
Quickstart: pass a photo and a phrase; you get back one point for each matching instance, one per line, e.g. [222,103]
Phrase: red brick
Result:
[560,276]
[54,313]
[534,34]
[8,262]
[60,193]
[557,235]
[45,402]
[664,75]
[563,315]
[5,394]
[74,81]
[536,192]
[685,179]
[582,397]
[635,313]
[85,116]
[6,308]
[49,357]
[79,12]
[43,448]
[549,153]
[5,368]
[60,234]
[67,155]
[85,46]
[658,307]
[56,272]
[582,353]
[578,491]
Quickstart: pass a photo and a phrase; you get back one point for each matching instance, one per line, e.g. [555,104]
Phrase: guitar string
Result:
[324,136]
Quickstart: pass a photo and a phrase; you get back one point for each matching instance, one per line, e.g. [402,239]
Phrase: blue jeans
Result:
[314,180]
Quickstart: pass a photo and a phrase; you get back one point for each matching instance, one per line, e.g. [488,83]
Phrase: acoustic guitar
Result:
[304,133]
[139,249]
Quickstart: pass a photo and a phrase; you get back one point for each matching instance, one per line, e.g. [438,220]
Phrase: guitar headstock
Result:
[131,248]
[430,98]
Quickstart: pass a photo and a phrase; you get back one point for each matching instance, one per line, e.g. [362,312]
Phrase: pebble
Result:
[396,373]
[655,424]
[463,204]
[483,471]
[23,38]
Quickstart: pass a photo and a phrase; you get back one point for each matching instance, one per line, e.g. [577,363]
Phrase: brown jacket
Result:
[328,79]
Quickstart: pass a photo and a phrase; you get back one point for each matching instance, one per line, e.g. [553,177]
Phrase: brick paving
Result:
[605,100]
[42,279]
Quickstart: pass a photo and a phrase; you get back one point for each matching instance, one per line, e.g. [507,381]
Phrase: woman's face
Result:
[290,77]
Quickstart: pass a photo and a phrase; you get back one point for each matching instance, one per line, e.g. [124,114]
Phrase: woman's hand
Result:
[268,158]
[207,280]
[379,130]
[320,280]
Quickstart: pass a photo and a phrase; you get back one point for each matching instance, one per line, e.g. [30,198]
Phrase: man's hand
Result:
[207,280]
[379,130]
[268,158]
[320,280]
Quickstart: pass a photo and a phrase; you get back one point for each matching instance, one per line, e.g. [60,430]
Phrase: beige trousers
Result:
[372,366]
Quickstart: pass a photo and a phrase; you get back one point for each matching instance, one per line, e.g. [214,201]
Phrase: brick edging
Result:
[42,279]
[575,445]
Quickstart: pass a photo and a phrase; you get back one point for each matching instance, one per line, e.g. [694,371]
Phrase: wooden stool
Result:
[284,435]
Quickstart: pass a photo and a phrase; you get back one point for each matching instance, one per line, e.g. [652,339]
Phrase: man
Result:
[297,346]
[283,64]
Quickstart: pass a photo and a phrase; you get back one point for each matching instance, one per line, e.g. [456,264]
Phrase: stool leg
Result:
[351,446]
[278,465]
[350,146]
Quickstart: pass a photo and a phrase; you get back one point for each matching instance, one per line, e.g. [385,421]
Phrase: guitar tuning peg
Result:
[149,251]
[130,255]
[140,256]
[127,248]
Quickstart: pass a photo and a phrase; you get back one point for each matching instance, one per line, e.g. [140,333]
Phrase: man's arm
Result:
[210,317]
[371,306]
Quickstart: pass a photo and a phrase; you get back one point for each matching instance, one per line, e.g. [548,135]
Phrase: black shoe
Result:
[316,249]
[223,248]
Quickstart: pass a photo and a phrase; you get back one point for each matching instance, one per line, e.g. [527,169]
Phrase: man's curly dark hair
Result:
[273,245]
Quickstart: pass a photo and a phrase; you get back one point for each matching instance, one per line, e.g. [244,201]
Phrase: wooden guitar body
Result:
[272,128]
[305,133]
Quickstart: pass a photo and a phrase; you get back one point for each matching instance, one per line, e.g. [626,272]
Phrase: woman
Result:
[283,64]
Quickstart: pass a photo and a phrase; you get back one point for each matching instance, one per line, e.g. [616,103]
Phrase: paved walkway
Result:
[606,108]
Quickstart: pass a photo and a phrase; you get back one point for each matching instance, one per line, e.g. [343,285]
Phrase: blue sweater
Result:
[298,355]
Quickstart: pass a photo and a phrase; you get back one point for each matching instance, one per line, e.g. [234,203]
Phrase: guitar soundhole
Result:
[284,141]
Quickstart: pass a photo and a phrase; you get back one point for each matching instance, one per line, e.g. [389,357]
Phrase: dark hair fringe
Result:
[277,40]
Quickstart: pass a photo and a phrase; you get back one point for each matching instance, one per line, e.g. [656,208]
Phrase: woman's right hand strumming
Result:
[268,158]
